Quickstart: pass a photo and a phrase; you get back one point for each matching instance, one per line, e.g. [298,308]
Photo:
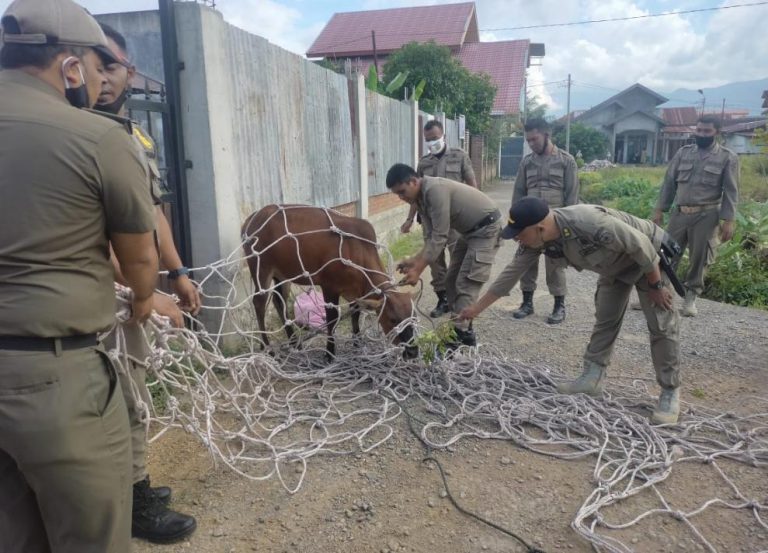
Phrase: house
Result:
[631,122]
[679,126]
[738,134]
[350,36]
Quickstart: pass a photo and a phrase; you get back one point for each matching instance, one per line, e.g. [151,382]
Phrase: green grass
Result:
[754,178]
[405,246]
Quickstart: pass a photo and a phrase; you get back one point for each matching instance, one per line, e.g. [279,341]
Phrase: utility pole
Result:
[375,55]
[568,118]
[722,112]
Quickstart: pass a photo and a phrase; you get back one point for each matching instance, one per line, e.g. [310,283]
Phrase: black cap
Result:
[524,213]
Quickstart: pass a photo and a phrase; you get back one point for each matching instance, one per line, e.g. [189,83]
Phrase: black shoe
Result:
[442,306]
[526,308]
[466,337]
[558,312]
[153,521]
[161,493]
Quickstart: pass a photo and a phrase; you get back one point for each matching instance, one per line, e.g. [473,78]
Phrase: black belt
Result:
[35,343]
[487,220]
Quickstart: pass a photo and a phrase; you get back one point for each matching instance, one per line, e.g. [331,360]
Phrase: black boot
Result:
[442,306]
[161,493]
[466,337]
[526,308]
[153,521]
[558,311]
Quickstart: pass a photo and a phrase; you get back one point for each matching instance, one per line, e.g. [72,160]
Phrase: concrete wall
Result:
[636,123]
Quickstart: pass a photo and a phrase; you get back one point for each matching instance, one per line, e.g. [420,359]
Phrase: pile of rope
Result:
[266,414]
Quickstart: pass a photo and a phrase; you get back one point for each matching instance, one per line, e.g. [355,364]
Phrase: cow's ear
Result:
[370,304]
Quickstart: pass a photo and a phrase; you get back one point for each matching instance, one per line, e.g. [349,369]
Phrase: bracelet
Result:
[176,273]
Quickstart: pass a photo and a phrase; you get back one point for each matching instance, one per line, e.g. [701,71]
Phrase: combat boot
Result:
[442,306]
[689,304]
[153,521]
[668,409]
[590,382]
[526,308]
[558,312]
[161,493]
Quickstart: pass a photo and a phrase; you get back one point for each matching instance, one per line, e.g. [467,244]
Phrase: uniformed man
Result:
[444,206]
[550,174]
[71,182]
[622,249]
[703,181]
[152,519]
[448,163]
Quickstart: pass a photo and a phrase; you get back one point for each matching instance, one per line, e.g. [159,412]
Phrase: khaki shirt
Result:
[147,146]
[446,205]
[552,178]
[612,243]
[454,165]
[709,179]
[68,179]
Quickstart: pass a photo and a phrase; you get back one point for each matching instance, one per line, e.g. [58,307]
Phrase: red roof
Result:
[348,34]
[680,116]
[505,62]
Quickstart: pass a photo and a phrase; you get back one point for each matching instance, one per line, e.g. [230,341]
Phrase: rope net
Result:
[265,413]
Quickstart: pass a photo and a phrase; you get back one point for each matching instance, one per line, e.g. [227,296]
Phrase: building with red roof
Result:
[349,36]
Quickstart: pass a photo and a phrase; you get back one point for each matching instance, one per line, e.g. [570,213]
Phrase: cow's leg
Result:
[260,304]
[280,301]
[331,318]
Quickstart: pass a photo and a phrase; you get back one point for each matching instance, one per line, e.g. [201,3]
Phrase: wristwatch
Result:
[658,285]
[176,273]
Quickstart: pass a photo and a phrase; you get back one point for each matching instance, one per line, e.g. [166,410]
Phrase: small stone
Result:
[218,533]
[443,494]
[348,513]
[539,477]
[393,545]
[635,540]
[432,503]
[261,520]
[463,495]
[506,461]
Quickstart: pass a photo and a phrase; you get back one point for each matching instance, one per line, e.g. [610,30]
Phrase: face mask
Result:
[704,141]
[114,107]
[76,96]
[436,146]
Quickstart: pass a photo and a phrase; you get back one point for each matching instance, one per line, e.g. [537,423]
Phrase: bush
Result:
[754,178]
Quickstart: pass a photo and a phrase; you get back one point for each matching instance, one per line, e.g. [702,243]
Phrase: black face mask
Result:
[704,142]
[77,96]
[113,107]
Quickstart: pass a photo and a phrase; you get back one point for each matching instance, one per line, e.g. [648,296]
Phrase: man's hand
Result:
[412,269]
[165,306]
[141,310]
[188,293]
[469,313]
[661,298]
[405,228]
[658,217]
[726,231]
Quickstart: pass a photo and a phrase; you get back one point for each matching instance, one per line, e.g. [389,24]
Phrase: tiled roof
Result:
[505,62]
[680,116]
[349,34]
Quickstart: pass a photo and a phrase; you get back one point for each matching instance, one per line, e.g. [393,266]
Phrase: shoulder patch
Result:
[143,139]
[603,236]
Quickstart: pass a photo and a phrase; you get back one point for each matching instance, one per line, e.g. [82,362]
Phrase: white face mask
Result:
[436,146]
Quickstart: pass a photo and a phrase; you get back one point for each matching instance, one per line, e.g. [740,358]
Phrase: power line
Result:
[629,18]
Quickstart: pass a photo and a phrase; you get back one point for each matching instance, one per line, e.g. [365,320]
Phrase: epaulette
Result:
[126,123]
[144,139]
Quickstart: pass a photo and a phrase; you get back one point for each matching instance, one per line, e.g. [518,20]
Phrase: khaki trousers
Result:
[471,261]
[611,298]
[555,277]
[697,232]
[439,268]
[65,459]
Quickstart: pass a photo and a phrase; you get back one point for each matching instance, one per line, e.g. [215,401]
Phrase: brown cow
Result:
[304,244]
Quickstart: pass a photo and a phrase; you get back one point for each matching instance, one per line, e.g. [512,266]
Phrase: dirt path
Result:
[389,500]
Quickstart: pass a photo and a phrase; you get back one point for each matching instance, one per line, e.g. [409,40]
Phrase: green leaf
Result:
[419,90]
[373,79]
[397,82]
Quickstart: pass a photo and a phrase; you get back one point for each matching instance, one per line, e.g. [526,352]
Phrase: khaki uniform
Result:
[136,348]
[454,165]
[447,206]
[622,249]
[67,180]
[704,187]
[552,178]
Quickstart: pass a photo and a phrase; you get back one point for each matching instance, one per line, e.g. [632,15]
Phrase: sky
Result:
[664,53]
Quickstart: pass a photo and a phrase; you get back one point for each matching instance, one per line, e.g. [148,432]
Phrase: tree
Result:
[449,86]
[590,142]
[534,109]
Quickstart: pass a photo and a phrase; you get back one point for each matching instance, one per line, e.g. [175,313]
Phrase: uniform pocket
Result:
[556,176]
[453,170]
[711,175]
[103,384]
[481,265]
[684,172]
[33,386]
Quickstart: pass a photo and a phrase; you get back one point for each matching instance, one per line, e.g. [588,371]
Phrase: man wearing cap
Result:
[449,163]
[444,206]
[71,183]
[152,519]
[550,174]
[703,180]
[622,249]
